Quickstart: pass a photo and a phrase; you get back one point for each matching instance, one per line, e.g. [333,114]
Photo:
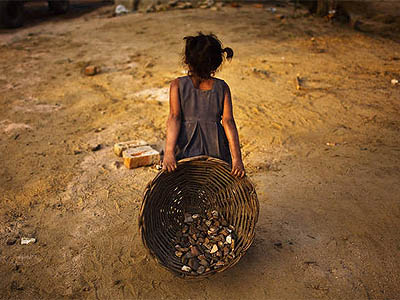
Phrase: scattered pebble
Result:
[27,241]
[116,165]
[91,70]
[394,81]
[11,242]
[95,148]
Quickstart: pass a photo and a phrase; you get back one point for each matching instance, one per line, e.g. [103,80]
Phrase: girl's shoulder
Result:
[222,83]
[181,80]
[219,80]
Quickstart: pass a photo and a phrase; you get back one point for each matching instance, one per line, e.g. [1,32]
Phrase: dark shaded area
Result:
[38,12]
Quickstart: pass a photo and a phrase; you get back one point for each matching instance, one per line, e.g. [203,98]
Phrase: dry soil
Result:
[325,159]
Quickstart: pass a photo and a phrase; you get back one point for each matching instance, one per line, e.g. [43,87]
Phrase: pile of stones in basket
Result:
[205,242]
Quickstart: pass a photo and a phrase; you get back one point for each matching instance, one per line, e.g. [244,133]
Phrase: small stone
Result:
[151,8]
[214,213]
[178,253]
[212,230]
[191,240]
[188,218]
[220,244]
[394,81]
[193,263]
[194,251]
[204,262]
[181,249]
[172,3]
[224,232]
[219,263]
[208,223]
[201,257]
[195,216]
[229,239]
[201,270]
[214,249]
[11,242]
[226,251]
[186,269]
[116,165]
[26,241]
[95,147]
[91,70]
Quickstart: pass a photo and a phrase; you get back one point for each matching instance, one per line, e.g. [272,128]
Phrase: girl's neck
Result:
[202,83]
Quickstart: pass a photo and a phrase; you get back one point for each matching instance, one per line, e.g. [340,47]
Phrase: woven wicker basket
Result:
[198,184]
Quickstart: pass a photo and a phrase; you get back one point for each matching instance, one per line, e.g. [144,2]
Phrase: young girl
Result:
[198,104]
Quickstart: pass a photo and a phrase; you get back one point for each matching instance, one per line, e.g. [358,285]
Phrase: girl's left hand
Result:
[238,168]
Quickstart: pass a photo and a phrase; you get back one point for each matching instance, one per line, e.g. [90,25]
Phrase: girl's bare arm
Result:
[173,127]
[231,132]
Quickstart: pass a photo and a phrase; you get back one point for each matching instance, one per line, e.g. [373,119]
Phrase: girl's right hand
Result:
[238,168]
[169,163]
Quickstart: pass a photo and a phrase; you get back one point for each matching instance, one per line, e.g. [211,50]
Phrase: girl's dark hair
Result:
[204,54]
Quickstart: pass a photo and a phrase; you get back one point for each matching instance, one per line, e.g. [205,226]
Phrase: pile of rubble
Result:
[205,243]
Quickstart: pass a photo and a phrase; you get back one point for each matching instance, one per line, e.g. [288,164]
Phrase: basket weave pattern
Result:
[198,184]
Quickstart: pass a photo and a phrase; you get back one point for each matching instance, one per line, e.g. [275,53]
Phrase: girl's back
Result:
[201,111]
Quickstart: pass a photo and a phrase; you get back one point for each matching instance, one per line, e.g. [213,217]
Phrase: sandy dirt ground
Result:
[325,159]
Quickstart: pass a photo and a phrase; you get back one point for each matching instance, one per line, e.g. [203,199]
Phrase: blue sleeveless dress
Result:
[201,130]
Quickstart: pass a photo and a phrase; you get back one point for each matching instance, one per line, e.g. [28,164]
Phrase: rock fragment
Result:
[186,269]
[27,241]
[214,249]
[91,70]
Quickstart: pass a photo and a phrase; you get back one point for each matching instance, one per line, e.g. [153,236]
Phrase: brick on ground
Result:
[140,156]
[120,147]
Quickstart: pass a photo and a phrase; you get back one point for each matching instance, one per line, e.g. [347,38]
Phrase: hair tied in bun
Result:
[229,53]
